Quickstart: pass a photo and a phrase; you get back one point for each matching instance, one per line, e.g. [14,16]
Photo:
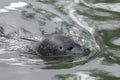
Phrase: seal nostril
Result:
[87,51]
[70,48]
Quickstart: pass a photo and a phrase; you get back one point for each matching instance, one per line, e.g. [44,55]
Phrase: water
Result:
[92,23]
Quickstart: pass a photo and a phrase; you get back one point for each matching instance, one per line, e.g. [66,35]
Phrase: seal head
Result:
[59,45]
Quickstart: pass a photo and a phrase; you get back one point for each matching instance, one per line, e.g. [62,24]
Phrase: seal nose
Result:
[87,52]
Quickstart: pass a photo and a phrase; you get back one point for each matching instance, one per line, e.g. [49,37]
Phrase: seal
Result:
[60,45]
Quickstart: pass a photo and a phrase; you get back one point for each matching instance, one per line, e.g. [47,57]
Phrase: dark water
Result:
[92,23]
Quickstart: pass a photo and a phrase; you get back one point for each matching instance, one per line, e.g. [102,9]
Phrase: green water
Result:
[92,23]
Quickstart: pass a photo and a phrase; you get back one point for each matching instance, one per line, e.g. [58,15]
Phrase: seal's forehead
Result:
[59,38]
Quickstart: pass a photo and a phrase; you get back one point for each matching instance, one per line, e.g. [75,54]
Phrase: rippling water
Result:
[92,23]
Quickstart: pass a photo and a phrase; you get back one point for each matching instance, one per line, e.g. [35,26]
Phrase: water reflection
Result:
[116,41]
[76,76]
[103,1]
[101,75]
[13,6]
[110,36]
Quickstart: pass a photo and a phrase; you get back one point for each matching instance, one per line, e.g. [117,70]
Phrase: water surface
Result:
[92,23]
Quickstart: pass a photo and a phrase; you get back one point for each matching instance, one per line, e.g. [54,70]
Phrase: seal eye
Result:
[60,47]
[70,48]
